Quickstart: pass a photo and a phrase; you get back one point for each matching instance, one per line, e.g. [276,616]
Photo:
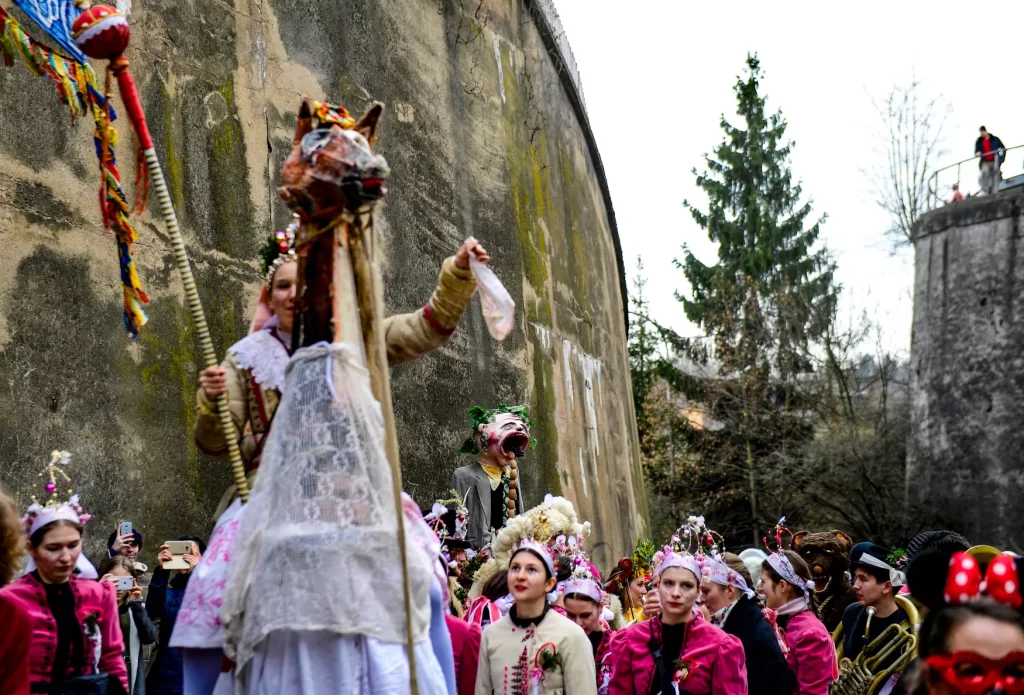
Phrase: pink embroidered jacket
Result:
[91,598]
[718,665]
[812,655]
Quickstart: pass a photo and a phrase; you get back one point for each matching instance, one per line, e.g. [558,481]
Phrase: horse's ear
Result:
[304,124]
[369,124]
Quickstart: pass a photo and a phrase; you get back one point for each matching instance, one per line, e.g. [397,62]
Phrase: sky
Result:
[658,75]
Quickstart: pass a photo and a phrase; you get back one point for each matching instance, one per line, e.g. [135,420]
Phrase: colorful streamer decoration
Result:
[79,89]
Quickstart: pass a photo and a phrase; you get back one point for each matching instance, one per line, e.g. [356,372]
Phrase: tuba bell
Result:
[886,655]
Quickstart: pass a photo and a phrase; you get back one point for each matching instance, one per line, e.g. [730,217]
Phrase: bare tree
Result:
[910,134]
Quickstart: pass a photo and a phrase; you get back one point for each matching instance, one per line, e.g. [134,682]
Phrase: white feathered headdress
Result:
[553,523]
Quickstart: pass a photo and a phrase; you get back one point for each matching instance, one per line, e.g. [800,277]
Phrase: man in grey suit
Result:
[491,487]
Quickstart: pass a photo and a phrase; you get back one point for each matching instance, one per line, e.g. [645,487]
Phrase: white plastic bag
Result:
[498,308]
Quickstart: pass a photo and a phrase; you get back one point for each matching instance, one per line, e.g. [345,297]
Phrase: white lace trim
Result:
[264,355]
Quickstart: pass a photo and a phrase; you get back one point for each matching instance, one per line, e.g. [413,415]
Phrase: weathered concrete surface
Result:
[967,376]
[483,141]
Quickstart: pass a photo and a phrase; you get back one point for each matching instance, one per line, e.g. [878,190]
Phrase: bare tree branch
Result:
[911,137]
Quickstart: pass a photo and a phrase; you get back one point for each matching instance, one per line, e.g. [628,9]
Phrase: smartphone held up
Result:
[178,551]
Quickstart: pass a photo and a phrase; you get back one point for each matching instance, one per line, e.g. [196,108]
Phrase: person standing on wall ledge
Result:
[992,152]
[492,487]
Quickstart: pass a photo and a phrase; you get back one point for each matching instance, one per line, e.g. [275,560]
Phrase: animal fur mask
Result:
[828,556]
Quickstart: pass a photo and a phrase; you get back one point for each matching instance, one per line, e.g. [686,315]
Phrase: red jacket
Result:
[812,655]
[91,597]
[718,664]
[17,626]
[466,649]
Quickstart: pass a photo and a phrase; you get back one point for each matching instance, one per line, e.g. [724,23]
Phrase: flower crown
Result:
[435,518]
[55,508]
[279,249]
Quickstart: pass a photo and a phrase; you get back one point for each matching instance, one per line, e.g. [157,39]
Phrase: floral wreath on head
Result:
[435,519]
[278,250]
[480,416]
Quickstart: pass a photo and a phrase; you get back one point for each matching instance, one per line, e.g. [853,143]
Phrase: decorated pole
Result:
[102,32]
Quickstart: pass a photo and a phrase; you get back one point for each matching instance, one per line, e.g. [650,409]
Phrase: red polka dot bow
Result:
[1000,582]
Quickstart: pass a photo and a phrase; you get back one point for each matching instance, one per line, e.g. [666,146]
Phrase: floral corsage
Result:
[684,669]
[547,660]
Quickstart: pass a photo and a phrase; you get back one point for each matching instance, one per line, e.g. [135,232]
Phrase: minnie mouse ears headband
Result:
[944,577]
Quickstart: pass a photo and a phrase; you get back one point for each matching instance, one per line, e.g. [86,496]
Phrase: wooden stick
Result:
[369,290]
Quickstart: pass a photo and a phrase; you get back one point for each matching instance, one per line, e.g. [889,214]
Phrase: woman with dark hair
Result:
[730,601]
[972,649]
[166,591]
[484,609]
[14,615]
[137,629]
[584,602]
[75,643]
[534,649]
[677,651]
[789,591]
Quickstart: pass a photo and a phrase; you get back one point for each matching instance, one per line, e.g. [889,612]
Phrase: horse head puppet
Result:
[332,169]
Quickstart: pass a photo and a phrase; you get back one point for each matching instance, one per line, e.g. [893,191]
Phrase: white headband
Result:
[895,576]
[584,586]
[541,551]
[717,571]
[781,564]
[38,516]
[669,559]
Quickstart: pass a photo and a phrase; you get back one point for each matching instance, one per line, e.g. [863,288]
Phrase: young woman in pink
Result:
[677,649]
[76,631]
[789,591]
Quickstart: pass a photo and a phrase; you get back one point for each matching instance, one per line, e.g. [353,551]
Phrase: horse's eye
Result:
[314,140]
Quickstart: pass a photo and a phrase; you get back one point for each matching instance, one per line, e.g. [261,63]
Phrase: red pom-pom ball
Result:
[101,32]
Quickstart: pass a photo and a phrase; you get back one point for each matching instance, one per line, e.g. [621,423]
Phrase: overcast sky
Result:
[657,75]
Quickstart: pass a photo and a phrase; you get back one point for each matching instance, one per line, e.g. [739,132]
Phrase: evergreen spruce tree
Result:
[762,306]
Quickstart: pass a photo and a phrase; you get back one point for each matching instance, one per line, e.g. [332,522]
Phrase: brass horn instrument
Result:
[886,655]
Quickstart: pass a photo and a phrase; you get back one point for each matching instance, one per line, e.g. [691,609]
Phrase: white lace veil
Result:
[318,546]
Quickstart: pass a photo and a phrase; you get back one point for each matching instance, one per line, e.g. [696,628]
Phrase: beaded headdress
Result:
[713,565]
[56,507]
[778,560]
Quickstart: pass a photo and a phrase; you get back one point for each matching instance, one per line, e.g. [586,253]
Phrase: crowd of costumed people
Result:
[504,597]
[528,613]
[321,577]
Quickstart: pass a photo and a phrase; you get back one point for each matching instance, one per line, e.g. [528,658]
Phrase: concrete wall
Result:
[967,369]
[484,139]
